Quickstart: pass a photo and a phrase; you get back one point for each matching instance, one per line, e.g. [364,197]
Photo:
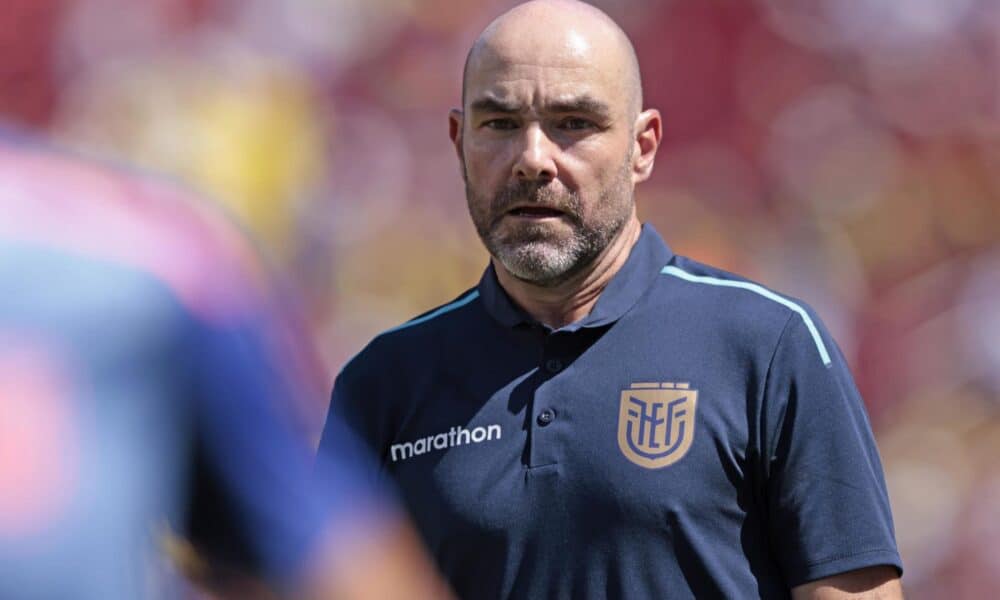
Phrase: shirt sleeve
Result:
[352,415]
[242,391]
[828,509]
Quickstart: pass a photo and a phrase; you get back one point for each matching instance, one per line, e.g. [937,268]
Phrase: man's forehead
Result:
[518,98]
[505,76]
[550,81]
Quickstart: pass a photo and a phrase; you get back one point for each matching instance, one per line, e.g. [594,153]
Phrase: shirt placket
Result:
[545,419]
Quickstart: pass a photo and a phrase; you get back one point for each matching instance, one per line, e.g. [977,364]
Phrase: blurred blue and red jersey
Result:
[144,354]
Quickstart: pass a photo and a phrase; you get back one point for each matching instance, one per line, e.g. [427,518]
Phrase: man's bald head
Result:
[554,27]
[552,140]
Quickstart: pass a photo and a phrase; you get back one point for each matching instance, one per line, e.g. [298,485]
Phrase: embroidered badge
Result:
[656,423]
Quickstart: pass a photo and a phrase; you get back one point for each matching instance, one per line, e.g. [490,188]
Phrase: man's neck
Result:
[573,299]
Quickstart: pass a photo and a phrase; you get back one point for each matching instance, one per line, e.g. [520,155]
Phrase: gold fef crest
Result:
[656,423]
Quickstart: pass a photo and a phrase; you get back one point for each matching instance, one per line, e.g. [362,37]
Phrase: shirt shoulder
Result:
[742,308]
[416,341]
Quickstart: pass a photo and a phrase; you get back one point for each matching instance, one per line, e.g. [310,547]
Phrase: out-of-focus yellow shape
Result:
[243,129]
[260,146]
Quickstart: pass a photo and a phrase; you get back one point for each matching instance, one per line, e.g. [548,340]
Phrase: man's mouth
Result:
[535,212]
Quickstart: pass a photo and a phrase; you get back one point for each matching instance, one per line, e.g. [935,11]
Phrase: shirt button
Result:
[545,417]
[553,365]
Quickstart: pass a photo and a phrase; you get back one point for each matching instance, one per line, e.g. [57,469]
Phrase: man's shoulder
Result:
[416,341]
[709,283]
[731,301]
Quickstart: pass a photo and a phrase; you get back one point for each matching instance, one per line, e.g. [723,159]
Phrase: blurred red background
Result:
[847,153]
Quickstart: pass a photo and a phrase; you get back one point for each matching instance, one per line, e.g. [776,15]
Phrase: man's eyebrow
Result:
[581,104]
[494,105]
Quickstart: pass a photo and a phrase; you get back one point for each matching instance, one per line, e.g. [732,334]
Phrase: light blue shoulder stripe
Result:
[743,285]
[447,308]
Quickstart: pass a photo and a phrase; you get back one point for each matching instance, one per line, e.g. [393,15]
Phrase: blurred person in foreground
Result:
[599,417]
[145,370]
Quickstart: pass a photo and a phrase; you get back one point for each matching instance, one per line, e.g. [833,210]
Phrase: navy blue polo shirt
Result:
[696,435]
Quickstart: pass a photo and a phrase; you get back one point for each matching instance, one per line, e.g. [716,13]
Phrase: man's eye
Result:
[576,124]
[500,124]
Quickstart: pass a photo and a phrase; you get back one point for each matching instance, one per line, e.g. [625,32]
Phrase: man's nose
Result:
[537,157]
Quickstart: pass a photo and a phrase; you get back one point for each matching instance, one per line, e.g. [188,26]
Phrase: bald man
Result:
[599,417]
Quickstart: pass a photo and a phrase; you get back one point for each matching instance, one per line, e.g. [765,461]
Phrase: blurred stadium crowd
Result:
[847,153]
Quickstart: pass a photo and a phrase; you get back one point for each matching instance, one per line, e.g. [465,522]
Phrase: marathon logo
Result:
[456,436]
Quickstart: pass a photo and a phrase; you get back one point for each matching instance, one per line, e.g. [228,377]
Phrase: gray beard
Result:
[548,262]
[531,254]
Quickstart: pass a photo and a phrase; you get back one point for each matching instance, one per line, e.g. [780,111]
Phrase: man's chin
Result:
[540,264]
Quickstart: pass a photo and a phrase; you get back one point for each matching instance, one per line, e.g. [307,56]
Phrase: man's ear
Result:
[455,120]
[648,133]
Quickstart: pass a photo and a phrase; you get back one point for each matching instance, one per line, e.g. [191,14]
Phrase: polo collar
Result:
[640,270]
